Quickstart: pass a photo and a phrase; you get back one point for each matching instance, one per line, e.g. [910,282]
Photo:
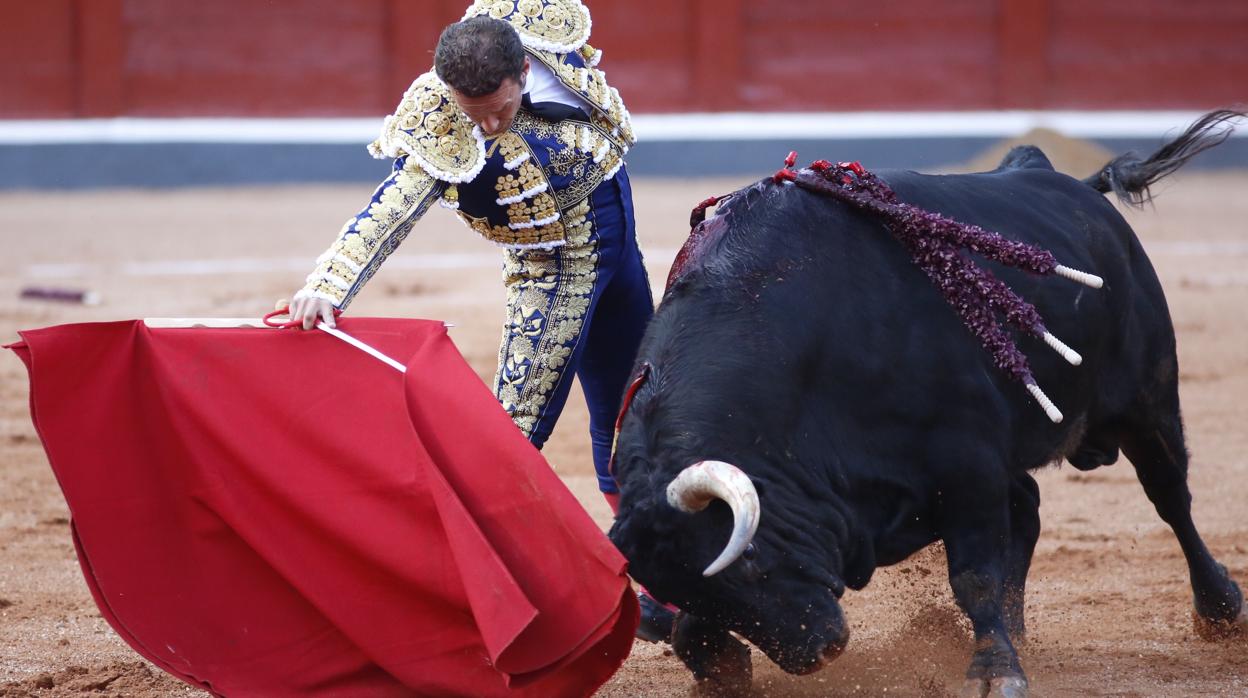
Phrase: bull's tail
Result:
[1130,177]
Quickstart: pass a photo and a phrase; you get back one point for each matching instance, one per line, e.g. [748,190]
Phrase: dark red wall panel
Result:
[898,54]
[85,58]
[100,45]
[647,52]
[36,59]
[1024,29]
[1149,53]
[224,57]
[411,32]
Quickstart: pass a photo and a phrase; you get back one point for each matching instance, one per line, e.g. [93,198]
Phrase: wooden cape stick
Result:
[258,323]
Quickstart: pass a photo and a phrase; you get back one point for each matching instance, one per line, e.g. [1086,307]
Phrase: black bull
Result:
[803,347]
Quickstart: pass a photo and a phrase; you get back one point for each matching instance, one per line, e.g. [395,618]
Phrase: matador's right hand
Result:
[307,311]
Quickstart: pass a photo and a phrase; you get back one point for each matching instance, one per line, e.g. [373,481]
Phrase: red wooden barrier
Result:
[37,51]
[92,58]
[1157,53]
[99,52]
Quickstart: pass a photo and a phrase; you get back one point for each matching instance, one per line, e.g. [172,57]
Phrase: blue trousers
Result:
[576,310]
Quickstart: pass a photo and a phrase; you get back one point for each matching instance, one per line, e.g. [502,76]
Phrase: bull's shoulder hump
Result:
[1025,157]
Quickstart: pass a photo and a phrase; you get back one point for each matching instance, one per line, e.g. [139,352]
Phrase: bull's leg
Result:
[1024,531]
[1160,461]
[975,525]
[719,662]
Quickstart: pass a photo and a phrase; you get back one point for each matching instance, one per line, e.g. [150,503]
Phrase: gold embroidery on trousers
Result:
[548,294]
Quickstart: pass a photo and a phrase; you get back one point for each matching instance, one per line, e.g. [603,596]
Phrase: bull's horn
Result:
[695,487]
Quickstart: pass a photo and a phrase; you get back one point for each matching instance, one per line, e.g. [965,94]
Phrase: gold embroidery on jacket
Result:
[591,84]
[542,207]
[561,25]
[366,240]
[567,162]
[586,178]
[429,126]
[532,211]
[581,142]
[548,235]
[508,186]
[510,146]
[527,123]
[531,176]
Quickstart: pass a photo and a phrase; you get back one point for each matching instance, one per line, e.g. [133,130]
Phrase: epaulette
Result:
[430,128]
[561,26]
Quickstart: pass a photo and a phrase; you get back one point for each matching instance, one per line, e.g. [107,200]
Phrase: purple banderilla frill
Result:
[935,243]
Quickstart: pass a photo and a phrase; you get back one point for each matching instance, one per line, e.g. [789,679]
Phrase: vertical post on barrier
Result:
[1023,35]
[718,59]
[410,33]
[99,53]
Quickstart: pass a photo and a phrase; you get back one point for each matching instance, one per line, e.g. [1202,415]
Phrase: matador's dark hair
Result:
[475,56]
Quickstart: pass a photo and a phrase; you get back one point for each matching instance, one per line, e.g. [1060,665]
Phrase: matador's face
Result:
[495,111]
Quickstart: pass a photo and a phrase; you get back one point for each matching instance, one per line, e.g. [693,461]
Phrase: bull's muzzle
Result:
[699,484]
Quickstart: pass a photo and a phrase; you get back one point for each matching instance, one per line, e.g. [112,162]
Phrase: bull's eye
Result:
[749,553]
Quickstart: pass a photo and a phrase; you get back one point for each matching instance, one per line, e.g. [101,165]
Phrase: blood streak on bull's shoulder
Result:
[642,374]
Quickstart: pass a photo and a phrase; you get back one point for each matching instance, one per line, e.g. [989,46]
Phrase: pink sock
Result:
[613,501]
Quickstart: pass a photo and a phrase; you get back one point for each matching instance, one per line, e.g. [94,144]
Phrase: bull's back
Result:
[821,304]
[1114,328]
[1031,204]
[1083,230]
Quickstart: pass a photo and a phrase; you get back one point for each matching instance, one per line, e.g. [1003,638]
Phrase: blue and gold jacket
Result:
[514,189]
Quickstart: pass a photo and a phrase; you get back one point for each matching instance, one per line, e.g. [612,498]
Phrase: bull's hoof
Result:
[720,663]
[727,672]
[1003,687]
[1220,630]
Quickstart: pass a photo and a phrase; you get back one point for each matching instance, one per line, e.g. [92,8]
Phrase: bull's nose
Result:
[836,645]
[824,656]
[834,649]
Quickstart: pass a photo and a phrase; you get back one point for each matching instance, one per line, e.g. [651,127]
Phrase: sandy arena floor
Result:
[1108,599]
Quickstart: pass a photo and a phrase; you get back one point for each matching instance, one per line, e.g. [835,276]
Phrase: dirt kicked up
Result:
[1108,601]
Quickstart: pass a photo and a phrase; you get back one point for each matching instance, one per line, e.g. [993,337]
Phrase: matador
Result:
[517,131]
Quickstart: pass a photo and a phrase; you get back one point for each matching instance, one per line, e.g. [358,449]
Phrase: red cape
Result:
[274,512]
